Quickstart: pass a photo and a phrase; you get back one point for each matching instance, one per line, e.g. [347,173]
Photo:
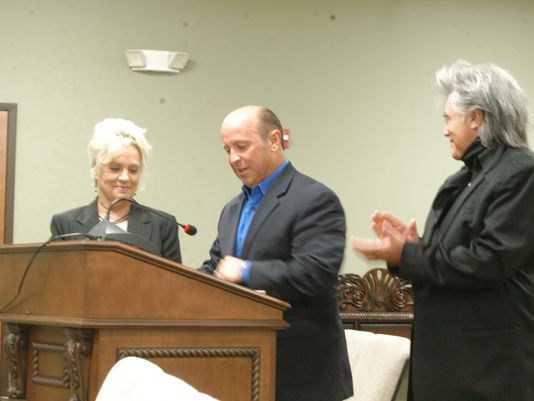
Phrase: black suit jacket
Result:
[160,232]
[296,243]
[473,281]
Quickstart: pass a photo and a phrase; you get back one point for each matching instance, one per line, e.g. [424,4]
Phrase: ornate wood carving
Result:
[77,351]
[252,353]
[378,296]
[16,346]
[37,377]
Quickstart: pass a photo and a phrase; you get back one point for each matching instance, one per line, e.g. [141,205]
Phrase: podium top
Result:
[93,283]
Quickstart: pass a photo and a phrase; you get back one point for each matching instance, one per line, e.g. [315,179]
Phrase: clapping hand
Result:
[392,235]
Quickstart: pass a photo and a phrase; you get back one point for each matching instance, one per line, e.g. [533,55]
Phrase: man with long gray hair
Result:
[473,269]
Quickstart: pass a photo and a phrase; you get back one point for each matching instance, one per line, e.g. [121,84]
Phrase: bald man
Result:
[285,234]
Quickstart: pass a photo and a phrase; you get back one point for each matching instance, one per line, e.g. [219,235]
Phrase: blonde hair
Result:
[112,136]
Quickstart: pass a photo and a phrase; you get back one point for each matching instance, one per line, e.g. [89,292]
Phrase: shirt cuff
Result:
[245,272]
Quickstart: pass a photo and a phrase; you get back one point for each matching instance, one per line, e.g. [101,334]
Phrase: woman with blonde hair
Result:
[118,155]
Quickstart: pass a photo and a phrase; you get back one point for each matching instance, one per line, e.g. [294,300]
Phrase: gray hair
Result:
[110,137]
[494,91]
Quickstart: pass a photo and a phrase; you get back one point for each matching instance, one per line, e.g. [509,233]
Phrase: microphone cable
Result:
[28,266]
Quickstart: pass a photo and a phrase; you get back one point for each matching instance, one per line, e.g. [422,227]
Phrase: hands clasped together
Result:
[392,235]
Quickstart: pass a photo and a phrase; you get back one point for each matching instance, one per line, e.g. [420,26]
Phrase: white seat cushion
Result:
[377,362]
[136,379]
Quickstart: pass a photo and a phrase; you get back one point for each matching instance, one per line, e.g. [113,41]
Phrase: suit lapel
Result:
[443,199]
[488,160]
[139,222]
[229,235]
[268,204]
[87,218]
[460,200]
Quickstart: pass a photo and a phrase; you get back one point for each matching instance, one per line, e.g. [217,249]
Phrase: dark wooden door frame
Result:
[7,172]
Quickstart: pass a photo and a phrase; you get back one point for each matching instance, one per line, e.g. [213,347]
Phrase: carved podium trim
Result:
[252,353]
[77,349]
[75,352]
[37,377]
[16,346]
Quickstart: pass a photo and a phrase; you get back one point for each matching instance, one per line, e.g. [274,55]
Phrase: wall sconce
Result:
[156,60]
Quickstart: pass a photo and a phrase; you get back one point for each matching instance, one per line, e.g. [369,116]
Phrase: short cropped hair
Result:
[494,91]
[110,137]
[268,121]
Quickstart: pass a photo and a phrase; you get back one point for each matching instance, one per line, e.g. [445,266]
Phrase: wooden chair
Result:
[377,301]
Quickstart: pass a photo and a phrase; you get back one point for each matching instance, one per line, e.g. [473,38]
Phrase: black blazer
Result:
[160,232]
[473,281]
[296,243]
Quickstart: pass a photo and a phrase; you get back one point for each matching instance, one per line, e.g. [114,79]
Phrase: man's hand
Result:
[408,231]
[392,235]
[229,269]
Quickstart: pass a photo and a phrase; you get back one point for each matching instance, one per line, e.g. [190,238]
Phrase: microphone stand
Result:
[106,230]
[187,228]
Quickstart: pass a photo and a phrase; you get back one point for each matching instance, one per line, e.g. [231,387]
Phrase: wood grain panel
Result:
[3,172]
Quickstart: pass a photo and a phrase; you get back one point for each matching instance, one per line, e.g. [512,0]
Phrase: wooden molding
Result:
[252,353]
[39,377]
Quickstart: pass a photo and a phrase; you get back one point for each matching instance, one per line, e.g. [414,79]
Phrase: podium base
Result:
[6,398]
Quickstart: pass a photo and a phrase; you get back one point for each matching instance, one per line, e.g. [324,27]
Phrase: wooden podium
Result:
[85,304]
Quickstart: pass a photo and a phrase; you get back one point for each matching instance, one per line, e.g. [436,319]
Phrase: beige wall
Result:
[351,79]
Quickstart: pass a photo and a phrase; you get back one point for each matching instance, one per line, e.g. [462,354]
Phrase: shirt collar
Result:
[263,186]
[470,157]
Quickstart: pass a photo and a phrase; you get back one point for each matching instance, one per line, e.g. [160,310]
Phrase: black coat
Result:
[473,281]
[160,232]
[296,243]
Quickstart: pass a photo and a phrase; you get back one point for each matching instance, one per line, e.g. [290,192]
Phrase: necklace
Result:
[119,220]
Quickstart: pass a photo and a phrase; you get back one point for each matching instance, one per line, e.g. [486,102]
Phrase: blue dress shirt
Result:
[252,200]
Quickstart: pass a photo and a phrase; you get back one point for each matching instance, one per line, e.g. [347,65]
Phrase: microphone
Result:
[188,228]
[106,230]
